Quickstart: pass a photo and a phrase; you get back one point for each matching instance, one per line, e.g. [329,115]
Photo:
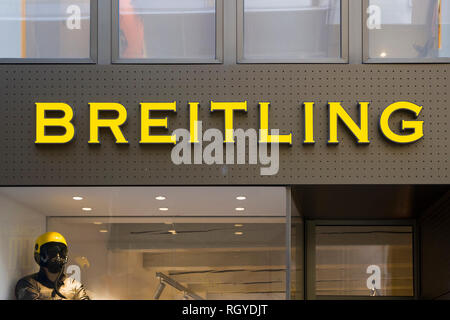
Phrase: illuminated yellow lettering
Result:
[265,137]
[113,124]
[65,122]
[309,123]
[147,122]
[417,126]
[361,133]
[193,120]
[229,108]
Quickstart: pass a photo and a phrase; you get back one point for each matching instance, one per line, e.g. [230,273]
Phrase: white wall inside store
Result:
[19,228]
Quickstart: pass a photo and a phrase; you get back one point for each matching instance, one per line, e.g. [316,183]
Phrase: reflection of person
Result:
[131,31]
[50,283]
[434,33]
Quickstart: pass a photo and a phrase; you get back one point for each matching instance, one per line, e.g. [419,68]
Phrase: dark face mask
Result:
[54,257]
[56,265]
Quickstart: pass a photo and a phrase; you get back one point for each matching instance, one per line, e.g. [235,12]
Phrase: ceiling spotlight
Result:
[160,198]
[238,225]
[241,198]
[173,231]
[77,198]
[163,209]
[239,233]
[87,209]
[240,209]
[103,231]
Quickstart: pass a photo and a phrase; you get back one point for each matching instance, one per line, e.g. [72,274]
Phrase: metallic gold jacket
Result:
[38,287]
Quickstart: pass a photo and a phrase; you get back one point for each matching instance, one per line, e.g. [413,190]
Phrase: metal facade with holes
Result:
[286,87]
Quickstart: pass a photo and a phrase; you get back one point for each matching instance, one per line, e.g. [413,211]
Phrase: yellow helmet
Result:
[44,239]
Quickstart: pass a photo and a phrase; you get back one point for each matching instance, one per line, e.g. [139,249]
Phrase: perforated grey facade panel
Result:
[285,86]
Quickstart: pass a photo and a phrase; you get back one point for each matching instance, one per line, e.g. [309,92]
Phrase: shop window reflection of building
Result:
[167,30]
[132,42]
[52,29]
[410,29]
[292,29]
[364,261]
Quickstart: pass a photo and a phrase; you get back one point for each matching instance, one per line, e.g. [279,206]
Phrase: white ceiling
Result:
[141,202]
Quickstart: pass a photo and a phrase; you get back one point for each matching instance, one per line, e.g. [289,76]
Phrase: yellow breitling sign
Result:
[335,110]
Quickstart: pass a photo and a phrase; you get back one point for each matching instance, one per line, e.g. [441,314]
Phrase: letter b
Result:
[65,122]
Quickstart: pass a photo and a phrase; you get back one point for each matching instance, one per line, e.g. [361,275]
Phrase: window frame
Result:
[310,247]
[115,56]
[93,43]
[368,60]
[344,59]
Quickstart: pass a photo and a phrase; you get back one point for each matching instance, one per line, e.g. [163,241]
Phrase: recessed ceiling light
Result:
[160,198]
[103,231]
[77,198]
[87,209]
[238,225]
[163,209]
[241,198]
[239,233]
[173,231]
[240,209]
[98,223]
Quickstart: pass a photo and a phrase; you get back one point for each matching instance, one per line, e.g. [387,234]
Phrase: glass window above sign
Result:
[407,31]
[292,31]
[47,31]
[169,30]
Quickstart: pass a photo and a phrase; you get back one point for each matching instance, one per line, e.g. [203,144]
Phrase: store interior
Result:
[159,242]
[227,242]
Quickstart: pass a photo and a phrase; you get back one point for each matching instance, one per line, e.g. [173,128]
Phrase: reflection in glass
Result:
[292,29]
[409,29]
[167,29]
[364,261]
[171,260]
[297,258]
[45,29]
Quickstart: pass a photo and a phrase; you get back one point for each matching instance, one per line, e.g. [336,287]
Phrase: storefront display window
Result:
[364,261]
[197,258]
[153,242]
